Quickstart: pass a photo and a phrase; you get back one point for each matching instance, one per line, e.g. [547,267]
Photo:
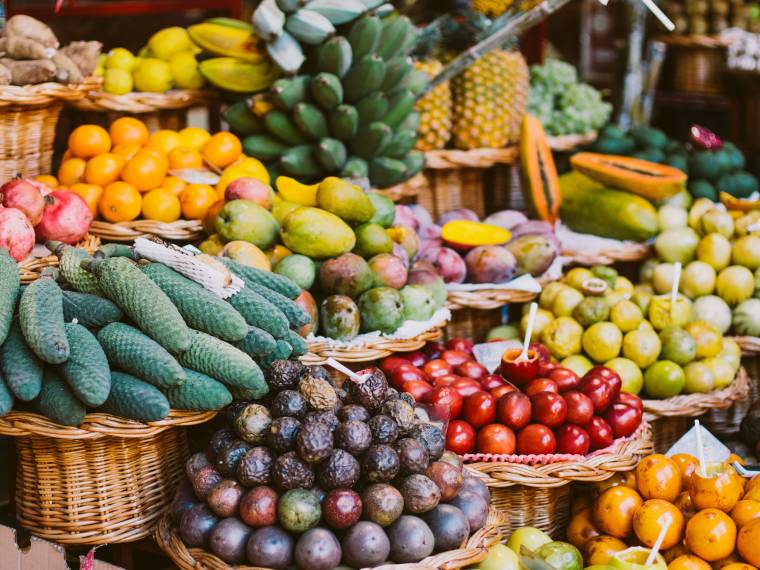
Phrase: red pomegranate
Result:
[704,138]
[65,218]
[23,195]
[16,233]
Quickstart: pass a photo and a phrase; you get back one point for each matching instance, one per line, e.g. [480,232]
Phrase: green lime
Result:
[664,379]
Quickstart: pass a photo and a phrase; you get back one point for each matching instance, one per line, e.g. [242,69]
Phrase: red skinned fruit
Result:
[612,378]
[247,188]
[417,358]
[472,369]
[446,380]
[66,218]
[565,378]
[623,419]
[549,409]
[492,381]
[448,398]
[479,409]
[514,410]
[460,437]
[599,391]
[543,353]
[497,439]
[467,387]
[536,439]
[580,408]
[21,194]
[572,439]
[500,391]
[404,373]
[436,368]
[538,385]
[387,365]
[434,349]
[16,233]
[632,400]
[420,389]
[600,433]
[461,344]
[517,371]
[456,357]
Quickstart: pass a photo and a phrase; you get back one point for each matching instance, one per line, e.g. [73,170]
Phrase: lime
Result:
[562,337]
[664,379]
[629,372]
[117,81]
[699,378]
[602,341]
[577,276]
[707,338]
[543,318]
[715,249]
[120,58]
[578,364]
[642,346]
[678,345]
[626,315]
[663,314]
[723,371]
[153,76]
[185,72]
[165,43]
[731,353]
[565,301]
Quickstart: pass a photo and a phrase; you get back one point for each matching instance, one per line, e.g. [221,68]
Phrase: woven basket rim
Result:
[96,425]
[564,143]
[692,405]
[448,159]
[750,345]
[620,456]
[181,230]
[45,93]
[627,252]
[31,268]
[472,551]
[485,299]
[138,102]
[406,189]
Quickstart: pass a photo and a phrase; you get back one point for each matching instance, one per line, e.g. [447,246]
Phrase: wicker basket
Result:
[698,63]
[567,143]
[672,417]
[408,190]
[538,494]
[31,269]
[181,230]
[627,253]
[28,118]
[472,551]
[474,313]
[106,481]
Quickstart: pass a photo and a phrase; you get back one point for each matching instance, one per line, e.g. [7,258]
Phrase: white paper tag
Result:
[489,353]
[714,450]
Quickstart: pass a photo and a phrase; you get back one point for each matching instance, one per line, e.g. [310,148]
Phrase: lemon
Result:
[602,341]
[165,43]
[626,315]
[117,81]
[120,58]
[153,76]
[642,346]
[184,69]
[723,371]
[629,372]
[707,338]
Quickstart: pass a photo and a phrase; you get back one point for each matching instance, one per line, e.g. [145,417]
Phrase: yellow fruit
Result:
[184,68]
[581,528]
[117,82]
[120,58]
[711,534]
[748,542]
[292,190]
[277,253]
[193,137]
[152,76]
[87,141]
[174,184]
[71,171]
[626,315]
[164,141]
[614,510]
[222,149]
[652,516]
[722,370]
[689,562]
[434,109]
[120,202]
[244,168]
[145,171]
[658,477]
[600,549]
[161,205]
[707,338]
[745,511]
[47,180]
[103,169]
[169,41]
[247,254]
[719,488]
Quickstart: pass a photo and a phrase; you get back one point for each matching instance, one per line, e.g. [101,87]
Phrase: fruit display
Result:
[713,166]
[563,104]
[70,351]
[531,407]
[711,513]
[322,472]
[660,349]
[529,547]
[720,254]
[31,54]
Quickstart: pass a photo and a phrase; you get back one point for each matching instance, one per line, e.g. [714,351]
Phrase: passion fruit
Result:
[706,337]
[663,313]
[715,250]
[602,341]
[563,337]
[642,346]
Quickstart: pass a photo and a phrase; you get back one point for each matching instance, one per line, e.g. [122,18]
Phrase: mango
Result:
[347,274]
[388,271]
[381,309]
[246,220]
[345,200]
[246,254]
[419,304]
[407,238]
[299,269]
[372,240]
[385,209]
[339,317]
[316,233]
[281,209]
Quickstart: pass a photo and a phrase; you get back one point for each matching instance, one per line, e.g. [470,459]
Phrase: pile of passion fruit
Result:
[713,516]
[323,473]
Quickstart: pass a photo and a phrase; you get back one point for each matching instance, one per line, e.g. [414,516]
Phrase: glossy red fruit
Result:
[549,409]
[445,380]
[535,439]
[467,387]
[517,371]
[545,368]
[472,369]
[514,410]
[600,392]
[565,378]
[417,358]
[404,373]
[479,409]
[420,389]
[456,357]
[538,385]
[632,400]
[436,368]
[434,349]
[704,138]
[544,356]
[572,439]
[461,344]
[448,398]
[612,378]
[497,439]
[500,391]
[600,433]
[460,437]
[580,408]
[623,419]
[492,381]
[387,365]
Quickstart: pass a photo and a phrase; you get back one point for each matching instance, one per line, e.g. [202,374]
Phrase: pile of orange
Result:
[124,173]
[713,516]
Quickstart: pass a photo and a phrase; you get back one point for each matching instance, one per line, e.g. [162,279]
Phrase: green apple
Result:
[499,558]
[528,536]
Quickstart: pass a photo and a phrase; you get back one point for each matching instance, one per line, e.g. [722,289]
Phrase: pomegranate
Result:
[16,233]
[23,195]
[65,218]
[705,138]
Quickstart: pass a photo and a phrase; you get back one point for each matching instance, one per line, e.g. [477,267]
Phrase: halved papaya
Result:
[466,234]
[648,179]
[539,174]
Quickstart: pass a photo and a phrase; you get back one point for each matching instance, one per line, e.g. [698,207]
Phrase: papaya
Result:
[616,214]
[539,173]
[239,76]
[647,179]
[228,41]
[466,234]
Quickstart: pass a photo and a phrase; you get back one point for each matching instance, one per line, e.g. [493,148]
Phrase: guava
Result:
[698,209]
[678,345]
[699,378]
[642,346]
[664,379]
[697,279]
[565,302]
[602,341]
[669,217]
[714,249]
[662,313]
[678,244]
[629,373]
[714,310]
[735,284]
[626,315]
[562,337]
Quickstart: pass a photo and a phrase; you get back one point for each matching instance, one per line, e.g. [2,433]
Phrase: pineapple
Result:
[491,8]
[434,108]
[490,98]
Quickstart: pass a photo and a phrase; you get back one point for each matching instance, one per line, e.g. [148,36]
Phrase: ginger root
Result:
[27,27]
[5,75]
[24,48]
[29,71]
[67,71]
[84,55]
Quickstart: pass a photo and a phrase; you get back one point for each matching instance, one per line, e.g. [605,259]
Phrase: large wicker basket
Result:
[538,493]
[625,253]
[673,417]
[181,230]
[30,269]
[472,551]
[698,63]
[106,481]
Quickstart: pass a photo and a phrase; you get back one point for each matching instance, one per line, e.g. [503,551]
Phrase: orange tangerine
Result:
[652,516]
[719,488]
[748,543]
[620,478]
[90,193]
[601,549]
[727,561]
[581,528]
[144,171]
[182,157]
[103,169]
[689,562]
[684,504]
[161,205]
[47,180]
[196,199]
[164,141]
[686,464]
[222,149]
[658,477]
[158,155]
[711,534]
[738,566]
[71,171]
[128,130]
[126,150]
[193,137]
[614,510]
[67,155]
[120,202]
[174,184]
[752,483]
[87,141]
[745,511]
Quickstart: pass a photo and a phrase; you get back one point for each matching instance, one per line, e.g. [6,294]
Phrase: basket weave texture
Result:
[472,551]
[485,299]
[181,230]
[137,103]
[750,345]
[105,481]
[627,253]
[31,269]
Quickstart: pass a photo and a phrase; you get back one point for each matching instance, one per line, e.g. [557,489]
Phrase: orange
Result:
[624,478]
[182,157]
[71,171]
[684,504]
[748,543]
[120,202]
[193,137]
[658,477]
[745,511]
[103,169]
[163,141]
[222,149]
[126,150]
[67,155]
[652,516]
[738,566]
[87,141]
[711,534]
[145,171]
[174,184]
[126,130]
[160,156]
[721,488]
[47,180]
[196,199]
[728,561]
[581,528]
[90,193]
[686,464]
[600,549]
[672,553]
[161,205]
[689,562]
[614,510]
[752,483]
[752,494]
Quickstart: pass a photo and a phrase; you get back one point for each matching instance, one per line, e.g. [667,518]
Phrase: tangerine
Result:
[581,528]
[624,478]
[652,516]
[222,149]
[128,130]
[87,141]
[748,542]
[174,184]
[196,199]
[719,488]
[658,477]
[614,510]
[686,464]
[90,193]
[47,180]
[738,566]
[711,534]
[193,137]
[182,157]
[126,150]
[163,141]
[161,205]
[120,202]
[752,483]
[600,549]
[689,562]
[103,169]
[71,171]
[745,511]
[144,171]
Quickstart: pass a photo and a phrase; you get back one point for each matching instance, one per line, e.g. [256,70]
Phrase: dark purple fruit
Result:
[284,374]
[314,442]
[449,525]
[431,437]
[365,544]
[383,503]
[474,508]
[400,412]
[476,485]
[342,508]
[319,372]
[234,409]
[195,463]
[354,436]
[221,439]
[420,494]
[196,524]
[183,499]
[341,469]
[453,458]
[327,418]
[228,459]
[317,549]
[447,477]
[412,455]
[252,423]
[408,398]
[383,428]
[355,412]
[206,478]
[298,510]
[225,498]
[411,539]
[282,434]
[318,393]
[288,403]
[290,472]
[380,464]
[255,467]
[258,507]
[372,392]
[270,547]
[229,539]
